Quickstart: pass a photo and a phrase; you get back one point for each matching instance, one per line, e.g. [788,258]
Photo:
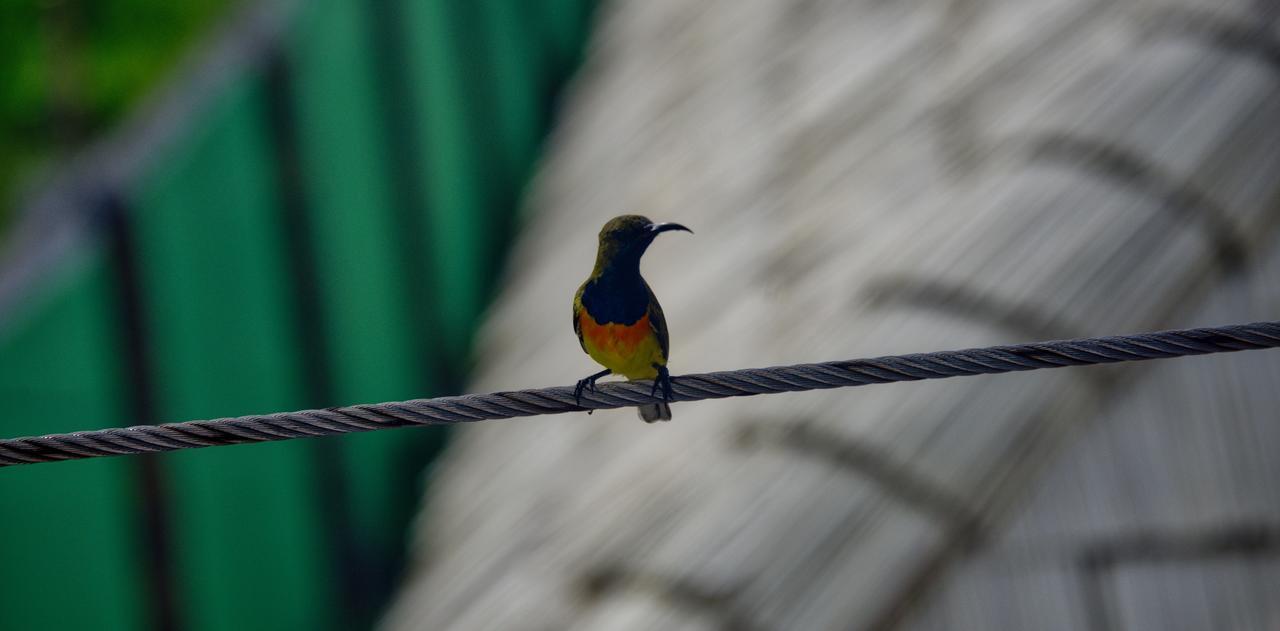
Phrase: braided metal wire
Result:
[716,385]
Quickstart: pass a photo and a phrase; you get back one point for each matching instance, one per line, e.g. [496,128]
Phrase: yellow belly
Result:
[627,350]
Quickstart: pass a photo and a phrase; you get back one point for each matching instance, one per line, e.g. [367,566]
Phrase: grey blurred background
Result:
[222,208]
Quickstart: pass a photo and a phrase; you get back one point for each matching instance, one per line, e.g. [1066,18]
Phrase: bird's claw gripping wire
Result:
[663,379]
[587,383]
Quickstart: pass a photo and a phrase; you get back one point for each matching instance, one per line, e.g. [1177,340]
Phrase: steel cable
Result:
[717,385]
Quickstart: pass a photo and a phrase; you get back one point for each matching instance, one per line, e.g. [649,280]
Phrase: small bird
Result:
[616,316]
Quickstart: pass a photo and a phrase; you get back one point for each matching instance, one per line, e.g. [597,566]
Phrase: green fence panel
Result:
[517,69]
[566,22]
[209,241]
[371,332]
[452,169]
[391,195]
[68,532]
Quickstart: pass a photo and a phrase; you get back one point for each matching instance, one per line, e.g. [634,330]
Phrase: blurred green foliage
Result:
[71,68]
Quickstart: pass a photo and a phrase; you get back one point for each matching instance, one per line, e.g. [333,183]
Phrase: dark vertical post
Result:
[355,600]
[140,406]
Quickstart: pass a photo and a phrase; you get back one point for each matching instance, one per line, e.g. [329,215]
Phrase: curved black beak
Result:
[664,227]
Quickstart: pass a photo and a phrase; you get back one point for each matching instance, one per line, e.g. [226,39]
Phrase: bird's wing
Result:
[658,322]
[577,314]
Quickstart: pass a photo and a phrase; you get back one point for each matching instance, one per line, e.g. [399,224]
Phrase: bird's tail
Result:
[653,412]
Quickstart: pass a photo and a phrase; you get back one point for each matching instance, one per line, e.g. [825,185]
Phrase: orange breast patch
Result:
[617,338]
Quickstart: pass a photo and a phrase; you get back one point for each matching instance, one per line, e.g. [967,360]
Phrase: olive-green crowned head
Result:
[625,238]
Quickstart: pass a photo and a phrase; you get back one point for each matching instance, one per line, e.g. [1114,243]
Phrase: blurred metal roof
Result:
[870,178]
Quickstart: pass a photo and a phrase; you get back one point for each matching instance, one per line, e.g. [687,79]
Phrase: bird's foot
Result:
[663,380]
[588,383]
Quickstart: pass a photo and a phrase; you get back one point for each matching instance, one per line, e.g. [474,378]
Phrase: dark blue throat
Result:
[617,296]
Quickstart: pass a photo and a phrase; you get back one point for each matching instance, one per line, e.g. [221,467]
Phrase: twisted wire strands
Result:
[696,387]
